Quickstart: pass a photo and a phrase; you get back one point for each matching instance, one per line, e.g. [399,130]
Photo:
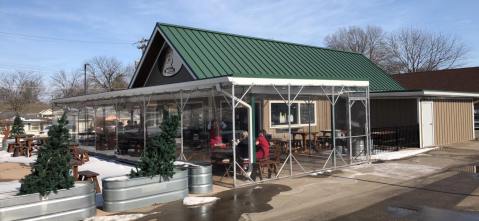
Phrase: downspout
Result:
[250,123]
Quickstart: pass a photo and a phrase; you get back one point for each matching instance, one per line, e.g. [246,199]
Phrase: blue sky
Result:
[47,36]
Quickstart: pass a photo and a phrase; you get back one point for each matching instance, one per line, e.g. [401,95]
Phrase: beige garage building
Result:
[424,118]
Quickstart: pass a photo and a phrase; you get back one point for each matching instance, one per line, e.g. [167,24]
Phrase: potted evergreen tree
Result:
[155,179]
[49,181]
[51,171]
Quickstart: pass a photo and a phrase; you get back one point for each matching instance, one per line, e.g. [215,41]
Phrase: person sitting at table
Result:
[262,146]
[215,133]
[262,152]
[242,149]
[242,146]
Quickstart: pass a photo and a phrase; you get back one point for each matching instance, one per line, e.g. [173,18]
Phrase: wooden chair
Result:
[11,147]
[228,165]
[29,146]
[90,175]
[79,154]
[271,164]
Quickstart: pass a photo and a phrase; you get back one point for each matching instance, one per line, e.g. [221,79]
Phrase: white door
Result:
[427,124]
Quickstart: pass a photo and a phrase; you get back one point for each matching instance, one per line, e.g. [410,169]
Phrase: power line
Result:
[10,68]
[49,38]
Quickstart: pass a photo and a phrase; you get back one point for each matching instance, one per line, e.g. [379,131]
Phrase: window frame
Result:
[34,127]
[299,124]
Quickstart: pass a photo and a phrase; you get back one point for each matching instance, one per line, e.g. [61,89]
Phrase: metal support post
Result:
[144,124]
[289,131]
[181,109]
[117,124]
[233,121]
[333,126]
[350,134]
[368,126]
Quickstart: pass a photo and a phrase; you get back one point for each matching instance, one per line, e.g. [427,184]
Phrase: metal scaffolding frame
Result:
[332,90]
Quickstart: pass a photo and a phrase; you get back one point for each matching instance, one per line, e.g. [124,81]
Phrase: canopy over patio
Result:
[114,115]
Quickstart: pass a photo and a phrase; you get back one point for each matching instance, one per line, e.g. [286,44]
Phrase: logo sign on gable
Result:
[172,63]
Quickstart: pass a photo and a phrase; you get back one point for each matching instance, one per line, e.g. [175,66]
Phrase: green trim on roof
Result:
[211,54]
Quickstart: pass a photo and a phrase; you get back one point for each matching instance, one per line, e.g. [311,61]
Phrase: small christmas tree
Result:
[51,171]
[17,127]
[159,155]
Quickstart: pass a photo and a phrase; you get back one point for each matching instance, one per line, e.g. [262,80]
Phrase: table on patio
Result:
[304,135]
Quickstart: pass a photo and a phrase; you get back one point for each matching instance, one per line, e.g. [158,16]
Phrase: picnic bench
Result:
[90,175]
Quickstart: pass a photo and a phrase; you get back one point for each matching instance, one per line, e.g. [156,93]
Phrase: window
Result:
[302,113]
[307,113]
[34,127]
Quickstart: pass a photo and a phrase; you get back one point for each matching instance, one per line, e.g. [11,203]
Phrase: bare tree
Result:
[19,89]
[407,50]
[369,41]
[67,85]
[107,74]
[414,50]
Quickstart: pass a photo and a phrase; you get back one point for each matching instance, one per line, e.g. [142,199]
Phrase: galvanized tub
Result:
[200,179]
[130,193]
[76,203]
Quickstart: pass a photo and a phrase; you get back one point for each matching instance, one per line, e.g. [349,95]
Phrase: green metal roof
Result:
[211,54]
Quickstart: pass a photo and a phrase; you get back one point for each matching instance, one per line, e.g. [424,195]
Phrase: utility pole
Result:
[142,44]
[86,109]
[85,81]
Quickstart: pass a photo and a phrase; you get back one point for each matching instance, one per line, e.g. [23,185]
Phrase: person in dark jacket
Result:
[242,146]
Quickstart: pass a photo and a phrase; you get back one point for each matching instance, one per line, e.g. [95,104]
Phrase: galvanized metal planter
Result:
[76,203]
[130,193]
[200,178]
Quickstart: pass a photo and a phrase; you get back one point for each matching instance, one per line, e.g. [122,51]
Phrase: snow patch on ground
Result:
[106,168]
[402,171]
[194,200]
[7,157]
[118,178]
[396,155]
[9,188]
[184,164]
[116,217]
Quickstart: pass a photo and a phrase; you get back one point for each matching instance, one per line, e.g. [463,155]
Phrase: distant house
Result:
[47,113]
[34,123]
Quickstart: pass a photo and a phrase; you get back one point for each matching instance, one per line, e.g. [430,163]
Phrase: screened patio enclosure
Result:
[312,125]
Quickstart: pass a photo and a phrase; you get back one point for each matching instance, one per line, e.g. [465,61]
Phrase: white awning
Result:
[205,84]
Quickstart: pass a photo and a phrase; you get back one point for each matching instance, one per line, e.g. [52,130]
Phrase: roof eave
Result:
[423,93]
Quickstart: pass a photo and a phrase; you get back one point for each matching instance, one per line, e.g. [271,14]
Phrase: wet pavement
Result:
[430,214]
[438,185]
[231,205]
